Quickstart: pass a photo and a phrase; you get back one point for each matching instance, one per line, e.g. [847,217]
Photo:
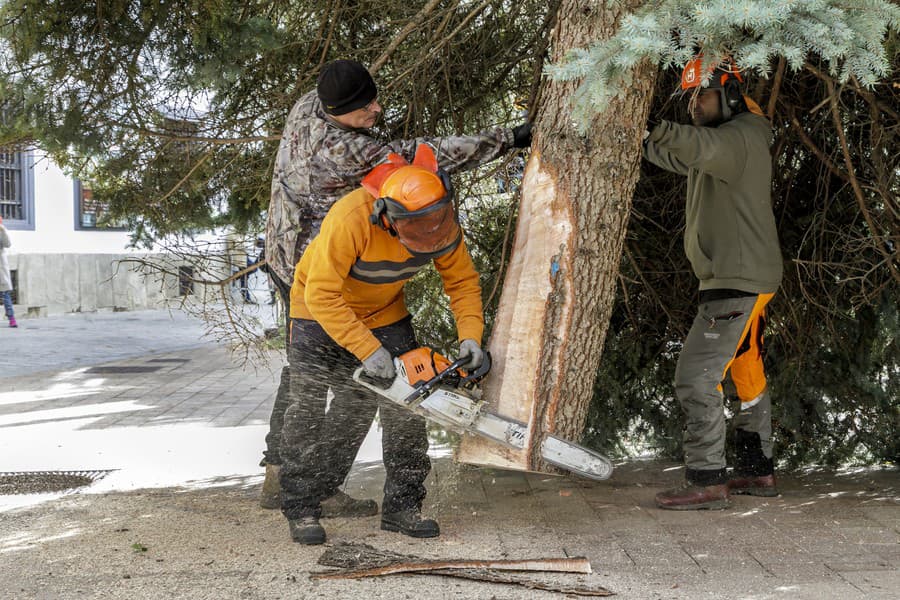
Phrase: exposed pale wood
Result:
[559,290]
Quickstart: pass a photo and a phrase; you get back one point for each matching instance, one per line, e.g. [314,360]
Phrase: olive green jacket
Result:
[729,236]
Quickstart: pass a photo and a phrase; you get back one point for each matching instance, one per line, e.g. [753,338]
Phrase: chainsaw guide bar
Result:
[429,385]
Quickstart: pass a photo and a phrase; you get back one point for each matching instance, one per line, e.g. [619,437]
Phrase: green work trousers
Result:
[726,335]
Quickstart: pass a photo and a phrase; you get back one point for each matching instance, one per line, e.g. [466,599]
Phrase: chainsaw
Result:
[429,385]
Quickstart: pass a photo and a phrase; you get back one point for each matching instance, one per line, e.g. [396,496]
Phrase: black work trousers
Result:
[284,397]
[320,438]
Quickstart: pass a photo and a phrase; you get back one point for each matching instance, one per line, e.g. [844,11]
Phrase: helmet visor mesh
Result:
[429,230]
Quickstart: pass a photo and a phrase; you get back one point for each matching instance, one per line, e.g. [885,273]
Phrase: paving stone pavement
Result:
[68,340]
[829,535]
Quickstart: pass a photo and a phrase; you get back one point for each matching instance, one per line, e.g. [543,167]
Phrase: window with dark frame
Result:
[90,213]
[11,205]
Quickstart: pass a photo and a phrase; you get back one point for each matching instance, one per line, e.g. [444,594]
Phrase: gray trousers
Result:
[726,335]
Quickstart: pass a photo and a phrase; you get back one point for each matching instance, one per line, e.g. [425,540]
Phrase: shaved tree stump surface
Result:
[559,289]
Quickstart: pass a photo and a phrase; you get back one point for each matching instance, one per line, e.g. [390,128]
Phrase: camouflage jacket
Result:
[319,161]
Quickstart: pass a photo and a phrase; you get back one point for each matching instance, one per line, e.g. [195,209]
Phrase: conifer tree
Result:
[848,36]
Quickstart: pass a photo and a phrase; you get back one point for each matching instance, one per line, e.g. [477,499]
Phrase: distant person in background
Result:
[264,267]
[5,277]
[252,258]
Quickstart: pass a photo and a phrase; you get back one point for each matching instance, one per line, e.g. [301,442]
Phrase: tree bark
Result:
[558,294]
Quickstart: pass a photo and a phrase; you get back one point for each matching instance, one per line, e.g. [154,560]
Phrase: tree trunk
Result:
[558,294]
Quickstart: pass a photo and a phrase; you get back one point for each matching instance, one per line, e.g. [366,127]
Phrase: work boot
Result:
[342,505]
[270,497]
[410,522]
[694,497]
[703,489]
[753,485]
[754,473]
[339,505]
[307,531]
[12,322]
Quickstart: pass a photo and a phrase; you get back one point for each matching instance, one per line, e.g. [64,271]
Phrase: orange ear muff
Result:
[396,159]
[425,158]
[375,179]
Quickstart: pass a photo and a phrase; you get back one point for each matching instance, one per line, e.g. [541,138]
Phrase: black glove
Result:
[522,135]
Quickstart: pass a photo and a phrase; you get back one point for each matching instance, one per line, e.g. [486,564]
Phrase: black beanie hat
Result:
[344,86]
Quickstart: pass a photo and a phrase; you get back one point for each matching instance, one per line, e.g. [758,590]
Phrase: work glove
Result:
[380,364]
[471,349]
[522,135]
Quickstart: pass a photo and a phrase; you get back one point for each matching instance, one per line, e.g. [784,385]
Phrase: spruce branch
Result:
[848,37]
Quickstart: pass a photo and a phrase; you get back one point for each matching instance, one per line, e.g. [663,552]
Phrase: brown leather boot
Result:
[753,485]
[694,497]
[702,489]
[754,473]
[270,497]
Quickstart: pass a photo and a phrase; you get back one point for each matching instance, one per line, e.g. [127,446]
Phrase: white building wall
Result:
[61,268]
[54,219]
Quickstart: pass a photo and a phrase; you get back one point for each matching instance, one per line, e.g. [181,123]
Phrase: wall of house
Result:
[61,268]
[54,219]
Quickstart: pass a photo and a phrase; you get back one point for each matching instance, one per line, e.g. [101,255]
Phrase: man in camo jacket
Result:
[326,149]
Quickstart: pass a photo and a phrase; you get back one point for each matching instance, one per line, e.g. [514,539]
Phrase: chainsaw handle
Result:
[426,387]
[482,370]
[380,382]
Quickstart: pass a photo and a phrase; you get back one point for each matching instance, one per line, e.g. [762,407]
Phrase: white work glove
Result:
[471,349]
[380,364]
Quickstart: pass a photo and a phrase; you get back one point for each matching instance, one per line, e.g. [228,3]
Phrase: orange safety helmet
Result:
[415,203]
[726,77]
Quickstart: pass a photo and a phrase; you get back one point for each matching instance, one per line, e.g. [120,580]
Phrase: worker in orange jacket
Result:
[347,307]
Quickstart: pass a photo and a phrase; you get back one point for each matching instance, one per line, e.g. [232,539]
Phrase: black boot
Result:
[410,522]
[339,505]
[754,473]
[307,531]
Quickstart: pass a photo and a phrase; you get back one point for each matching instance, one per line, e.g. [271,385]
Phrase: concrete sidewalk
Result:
[185,426]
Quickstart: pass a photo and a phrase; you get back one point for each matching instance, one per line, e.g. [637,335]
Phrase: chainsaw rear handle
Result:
[424,388]
[482,370]
[381,382]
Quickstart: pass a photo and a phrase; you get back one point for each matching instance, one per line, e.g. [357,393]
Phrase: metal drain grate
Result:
[44,482]
[122,370]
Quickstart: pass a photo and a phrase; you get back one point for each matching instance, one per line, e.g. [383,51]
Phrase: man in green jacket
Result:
[732,244]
